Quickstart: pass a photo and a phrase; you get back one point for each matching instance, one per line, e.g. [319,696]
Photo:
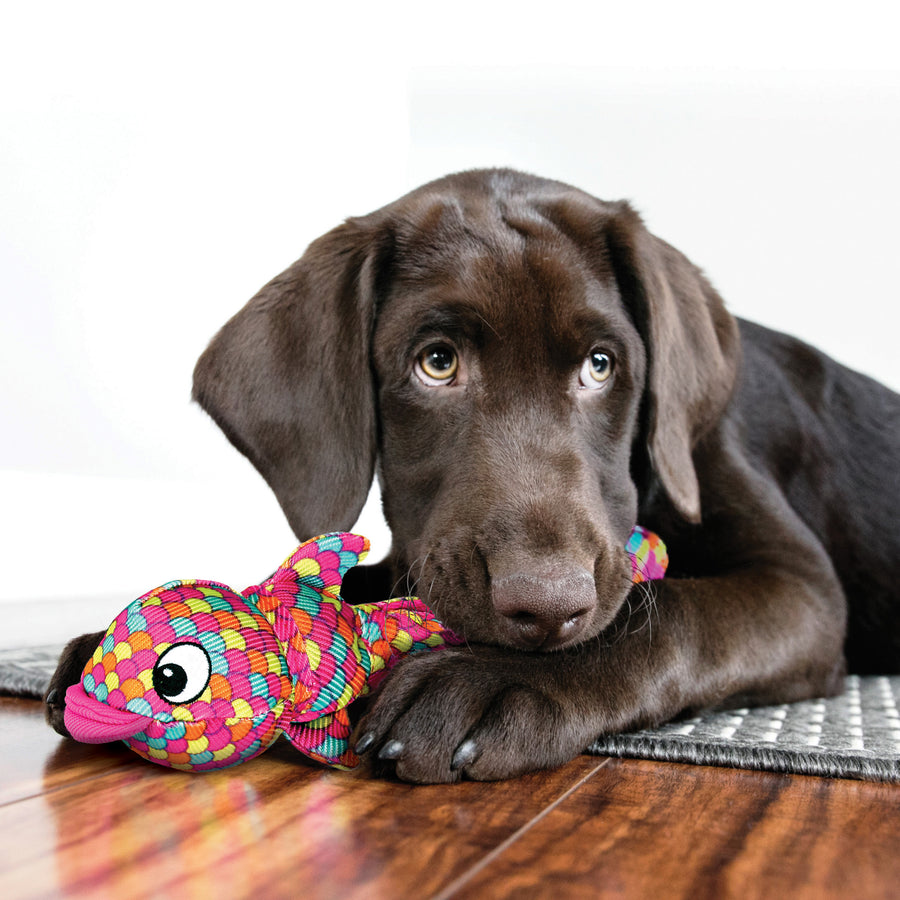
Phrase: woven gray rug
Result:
[26,672]
[854,735]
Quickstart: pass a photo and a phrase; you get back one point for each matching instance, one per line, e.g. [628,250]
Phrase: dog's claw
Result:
[365,743]
[466,753]
[391,750]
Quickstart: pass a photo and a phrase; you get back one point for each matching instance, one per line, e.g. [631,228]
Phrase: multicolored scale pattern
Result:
[236,715]
[337,652]
[648,555]
[288,656]
[285,656]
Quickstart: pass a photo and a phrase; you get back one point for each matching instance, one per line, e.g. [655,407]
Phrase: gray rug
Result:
[26,672]
[855,735]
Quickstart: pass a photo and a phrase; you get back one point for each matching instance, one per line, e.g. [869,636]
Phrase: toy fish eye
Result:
[182,673]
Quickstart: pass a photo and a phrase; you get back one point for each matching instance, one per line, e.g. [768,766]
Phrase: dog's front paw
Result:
[68,672]
[479,713]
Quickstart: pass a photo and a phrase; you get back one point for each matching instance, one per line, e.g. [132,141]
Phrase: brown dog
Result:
[533,373]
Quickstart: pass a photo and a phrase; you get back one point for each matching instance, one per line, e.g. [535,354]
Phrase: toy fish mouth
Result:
[92,722]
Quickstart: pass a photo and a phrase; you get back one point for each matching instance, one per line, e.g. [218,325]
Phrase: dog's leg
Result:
[769,629]
[487,712]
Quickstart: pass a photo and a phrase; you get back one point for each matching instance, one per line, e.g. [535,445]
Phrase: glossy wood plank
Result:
[644,829]
[34,759]
[99,822]
[115,825]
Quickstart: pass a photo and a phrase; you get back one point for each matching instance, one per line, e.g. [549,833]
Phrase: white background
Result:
[160,162]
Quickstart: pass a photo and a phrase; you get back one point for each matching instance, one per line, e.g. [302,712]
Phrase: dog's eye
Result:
[182,673]
[596,369]
[437,365]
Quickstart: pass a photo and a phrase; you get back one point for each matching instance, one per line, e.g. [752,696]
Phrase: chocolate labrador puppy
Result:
[531,373]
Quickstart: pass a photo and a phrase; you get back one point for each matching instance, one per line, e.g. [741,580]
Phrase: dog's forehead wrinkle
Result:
[443,230]
[448,227]
[510,262]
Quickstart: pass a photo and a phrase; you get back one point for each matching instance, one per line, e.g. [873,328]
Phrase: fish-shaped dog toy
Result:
[195,676]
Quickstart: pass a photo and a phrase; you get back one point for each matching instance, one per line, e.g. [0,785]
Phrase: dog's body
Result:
[533,373]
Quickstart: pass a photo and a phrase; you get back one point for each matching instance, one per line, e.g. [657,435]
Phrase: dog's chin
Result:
[541,645]
[498,632]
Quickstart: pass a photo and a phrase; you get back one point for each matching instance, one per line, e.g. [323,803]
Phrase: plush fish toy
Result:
[195,676]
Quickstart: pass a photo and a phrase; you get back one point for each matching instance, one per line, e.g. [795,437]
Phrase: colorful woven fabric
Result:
[195,676]
[648,555]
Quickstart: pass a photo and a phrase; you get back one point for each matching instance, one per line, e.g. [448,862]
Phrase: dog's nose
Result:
[547,610]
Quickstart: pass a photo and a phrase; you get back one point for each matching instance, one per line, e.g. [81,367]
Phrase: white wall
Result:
[783,186]
[159,163]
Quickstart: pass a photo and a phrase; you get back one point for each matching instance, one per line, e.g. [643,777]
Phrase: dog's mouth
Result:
[539,604]
[540,611]
[528,633]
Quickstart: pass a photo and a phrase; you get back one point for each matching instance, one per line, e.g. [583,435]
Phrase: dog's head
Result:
[520,361]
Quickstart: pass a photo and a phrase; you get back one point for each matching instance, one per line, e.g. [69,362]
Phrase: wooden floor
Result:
[98,821]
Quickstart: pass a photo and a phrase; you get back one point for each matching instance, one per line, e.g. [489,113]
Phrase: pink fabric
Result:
[92,722]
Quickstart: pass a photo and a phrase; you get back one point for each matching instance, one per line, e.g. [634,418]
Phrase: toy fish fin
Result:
[327,659]
[326,739]
[317,630]
[309,577]
[322,562]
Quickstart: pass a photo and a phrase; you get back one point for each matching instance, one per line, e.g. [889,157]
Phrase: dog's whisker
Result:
[422,566]
[407,577]
[394,591]
[648,605]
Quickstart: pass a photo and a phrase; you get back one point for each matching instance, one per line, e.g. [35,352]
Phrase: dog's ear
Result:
[289,381]
[693,348]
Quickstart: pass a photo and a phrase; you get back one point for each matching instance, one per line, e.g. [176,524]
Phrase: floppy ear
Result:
[288,380]
[693,348]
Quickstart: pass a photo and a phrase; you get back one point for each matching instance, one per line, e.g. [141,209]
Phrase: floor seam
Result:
[460,882]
